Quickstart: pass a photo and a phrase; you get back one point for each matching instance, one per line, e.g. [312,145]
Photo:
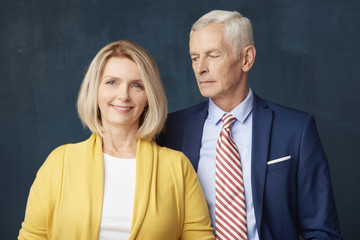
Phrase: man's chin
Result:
[206,94]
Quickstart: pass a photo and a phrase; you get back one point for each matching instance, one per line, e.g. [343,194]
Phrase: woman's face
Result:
[121,94]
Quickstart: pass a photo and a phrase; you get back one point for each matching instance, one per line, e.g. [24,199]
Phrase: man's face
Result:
[218,71]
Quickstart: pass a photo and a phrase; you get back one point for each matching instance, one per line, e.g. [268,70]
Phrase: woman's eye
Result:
[110,82]
[139,86]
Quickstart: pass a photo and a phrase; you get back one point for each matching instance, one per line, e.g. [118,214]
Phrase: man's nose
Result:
[202,66]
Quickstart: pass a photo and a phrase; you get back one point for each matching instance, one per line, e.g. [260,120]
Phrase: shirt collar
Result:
[241,112]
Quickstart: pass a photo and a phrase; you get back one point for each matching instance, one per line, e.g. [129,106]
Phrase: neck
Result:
[227,104]
[121,143]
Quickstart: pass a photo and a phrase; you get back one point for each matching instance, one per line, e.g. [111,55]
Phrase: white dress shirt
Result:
[241,132]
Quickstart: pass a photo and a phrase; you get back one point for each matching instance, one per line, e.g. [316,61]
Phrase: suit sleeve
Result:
[197,224]
[316,205]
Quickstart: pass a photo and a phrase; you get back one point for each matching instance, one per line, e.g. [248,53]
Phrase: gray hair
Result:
[238,29]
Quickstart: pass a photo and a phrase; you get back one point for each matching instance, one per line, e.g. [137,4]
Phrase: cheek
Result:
[104,95]
[100,99]
[144,100]
[139,97]
[218,69]
[194,67]
[227,72]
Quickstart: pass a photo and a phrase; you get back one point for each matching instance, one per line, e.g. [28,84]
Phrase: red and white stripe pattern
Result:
[230,209]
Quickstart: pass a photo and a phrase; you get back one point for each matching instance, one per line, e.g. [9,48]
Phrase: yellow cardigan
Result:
[65,200]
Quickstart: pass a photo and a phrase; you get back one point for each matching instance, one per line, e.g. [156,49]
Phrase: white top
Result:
[118,201]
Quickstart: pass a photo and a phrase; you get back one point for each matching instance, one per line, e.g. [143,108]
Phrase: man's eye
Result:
[214,56]
[194,59]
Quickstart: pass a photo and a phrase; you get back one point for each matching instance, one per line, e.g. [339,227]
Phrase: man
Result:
[276,183]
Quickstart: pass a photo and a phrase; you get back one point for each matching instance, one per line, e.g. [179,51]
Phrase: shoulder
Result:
[175,159]
[183,114]
[288,125]
[282,114]
[168,154]
[52,172]
[56,158]
[69,147]
[178,121]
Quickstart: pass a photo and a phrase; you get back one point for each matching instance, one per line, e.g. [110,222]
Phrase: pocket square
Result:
[279,160]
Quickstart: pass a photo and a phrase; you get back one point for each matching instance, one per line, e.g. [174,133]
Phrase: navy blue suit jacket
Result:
[292,197]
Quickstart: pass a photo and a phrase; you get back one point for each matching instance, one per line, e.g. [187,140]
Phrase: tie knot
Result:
[228,120]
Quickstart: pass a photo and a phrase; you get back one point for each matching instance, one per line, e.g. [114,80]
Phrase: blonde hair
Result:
[153,118]
[238,29]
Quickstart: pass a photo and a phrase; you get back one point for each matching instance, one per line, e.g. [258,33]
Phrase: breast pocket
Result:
[279,163]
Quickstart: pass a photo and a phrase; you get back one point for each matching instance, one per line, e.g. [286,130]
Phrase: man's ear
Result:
[248,57]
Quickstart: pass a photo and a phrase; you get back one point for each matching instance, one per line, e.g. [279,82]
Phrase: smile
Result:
[122,108]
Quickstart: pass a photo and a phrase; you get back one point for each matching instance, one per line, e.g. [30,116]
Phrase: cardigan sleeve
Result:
[197,224]
[42,198]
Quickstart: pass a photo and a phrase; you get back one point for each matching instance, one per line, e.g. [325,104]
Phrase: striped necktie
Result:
[230,209]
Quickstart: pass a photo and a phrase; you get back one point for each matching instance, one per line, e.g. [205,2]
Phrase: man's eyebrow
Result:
[192,53]
[212,51]
[207,52]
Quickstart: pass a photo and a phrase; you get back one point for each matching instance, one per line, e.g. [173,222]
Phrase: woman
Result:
[118,184]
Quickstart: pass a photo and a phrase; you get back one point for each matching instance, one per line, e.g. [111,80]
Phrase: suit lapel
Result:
[262,123]
[193,131]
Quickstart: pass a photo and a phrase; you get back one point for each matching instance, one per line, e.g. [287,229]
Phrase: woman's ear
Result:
[248,54]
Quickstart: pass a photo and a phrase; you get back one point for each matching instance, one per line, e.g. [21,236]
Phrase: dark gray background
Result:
[307,58]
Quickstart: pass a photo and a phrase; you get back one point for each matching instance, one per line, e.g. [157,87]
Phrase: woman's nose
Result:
[123,94]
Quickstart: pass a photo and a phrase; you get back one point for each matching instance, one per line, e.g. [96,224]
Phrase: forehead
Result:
[121,66]
[207,38]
